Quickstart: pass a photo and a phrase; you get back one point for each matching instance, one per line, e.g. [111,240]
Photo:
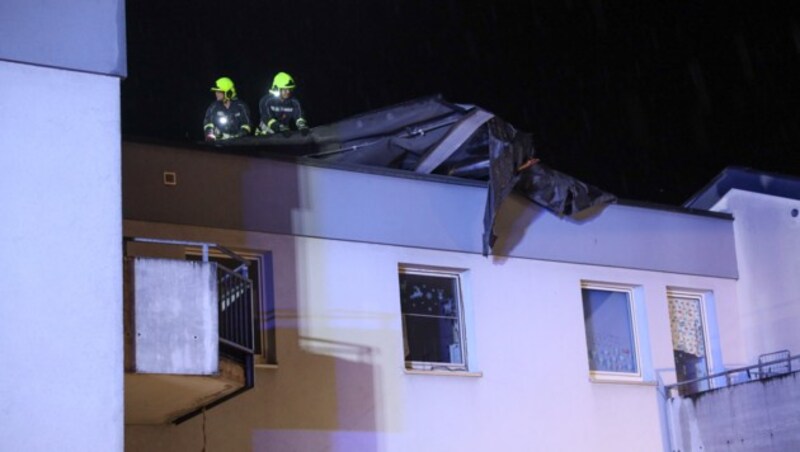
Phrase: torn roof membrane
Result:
[432,136]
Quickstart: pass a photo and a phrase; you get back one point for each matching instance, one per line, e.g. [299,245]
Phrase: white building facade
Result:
[60,225]
[564,337]
[383,327]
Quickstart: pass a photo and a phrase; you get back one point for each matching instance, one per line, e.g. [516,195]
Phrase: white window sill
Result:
[444,373]
[623,382]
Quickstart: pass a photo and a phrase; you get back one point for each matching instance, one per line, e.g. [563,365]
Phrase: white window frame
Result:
[635,305]
[458,276]
[703,297]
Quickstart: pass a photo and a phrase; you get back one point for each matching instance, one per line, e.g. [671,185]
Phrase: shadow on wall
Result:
[320,400]
[323,394]
[522,224]
[311,402]
[511,224]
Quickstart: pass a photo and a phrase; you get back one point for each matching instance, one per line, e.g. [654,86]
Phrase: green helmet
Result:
[282,81]
[225,86]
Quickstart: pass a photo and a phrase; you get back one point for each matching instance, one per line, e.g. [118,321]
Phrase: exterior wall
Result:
[341,383]
[80,35]
[61,278]
[758,416]
[767,234]
[228,190]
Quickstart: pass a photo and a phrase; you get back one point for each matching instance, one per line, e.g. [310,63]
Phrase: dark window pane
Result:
[430,304]
[432,339]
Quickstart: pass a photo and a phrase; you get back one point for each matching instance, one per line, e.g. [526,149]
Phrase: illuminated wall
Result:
[60,225]
[336,239]
[767,231]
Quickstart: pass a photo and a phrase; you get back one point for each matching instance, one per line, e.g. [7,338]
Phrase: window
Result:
[433,323]
[609,316]
[689,346]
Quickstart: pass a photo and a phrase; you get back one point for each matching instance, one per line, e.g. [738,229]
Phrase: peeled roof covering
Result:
[433,136]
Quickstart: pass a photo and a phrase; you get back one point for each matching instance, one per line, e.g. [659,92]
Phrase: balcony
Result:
[744,409]
[189,336]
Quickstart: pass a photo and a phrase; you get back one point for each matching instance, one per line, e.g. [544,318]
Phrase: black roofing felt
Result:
[431,135]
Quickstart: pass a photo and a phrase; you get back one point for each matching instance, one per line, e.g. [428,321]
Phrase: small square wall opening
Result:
[170,178]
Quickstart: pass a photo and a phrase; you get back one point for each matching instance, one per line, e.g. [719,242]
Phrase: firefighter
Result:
[227,117]
[280,112]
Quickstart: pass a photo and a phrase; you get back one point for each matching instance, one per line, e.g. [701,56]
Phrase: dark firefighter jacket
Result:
[277,112]
[230,122]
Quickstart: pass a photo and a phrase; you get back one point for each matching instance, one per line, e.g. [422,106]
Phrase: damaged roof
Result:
[433,136]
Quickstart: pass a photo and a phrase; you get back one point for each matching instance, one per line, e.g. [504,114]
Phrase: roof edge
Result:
[747,179]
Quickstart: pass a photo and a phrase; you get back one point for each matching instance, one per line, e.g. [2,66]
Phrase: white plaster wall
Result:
[341,384]
[768,251]
[60,261]
[254,193]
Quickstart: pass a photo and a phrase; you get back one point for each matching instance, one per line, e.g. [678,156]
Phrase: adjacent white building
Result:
[61,379]
[766,208]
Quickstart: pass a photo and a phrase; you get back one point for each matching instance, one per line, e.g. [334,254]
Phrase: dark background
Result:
[648,100]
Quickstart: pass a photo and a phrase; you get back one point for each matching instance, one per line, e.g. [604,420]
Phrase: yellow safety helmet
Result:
[282,80]
[225,86]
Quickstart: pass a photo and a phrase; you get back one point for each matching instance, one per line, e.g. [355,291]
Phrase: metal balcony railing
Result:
[769,365]
[235,293]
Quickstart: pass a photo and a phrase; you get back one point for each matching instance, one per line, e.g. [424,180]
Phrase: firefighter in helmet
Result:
[227,117]
[280,111]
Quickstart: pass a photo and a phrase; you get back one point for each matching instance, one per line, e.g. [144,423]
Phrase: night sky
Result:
[648,101]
